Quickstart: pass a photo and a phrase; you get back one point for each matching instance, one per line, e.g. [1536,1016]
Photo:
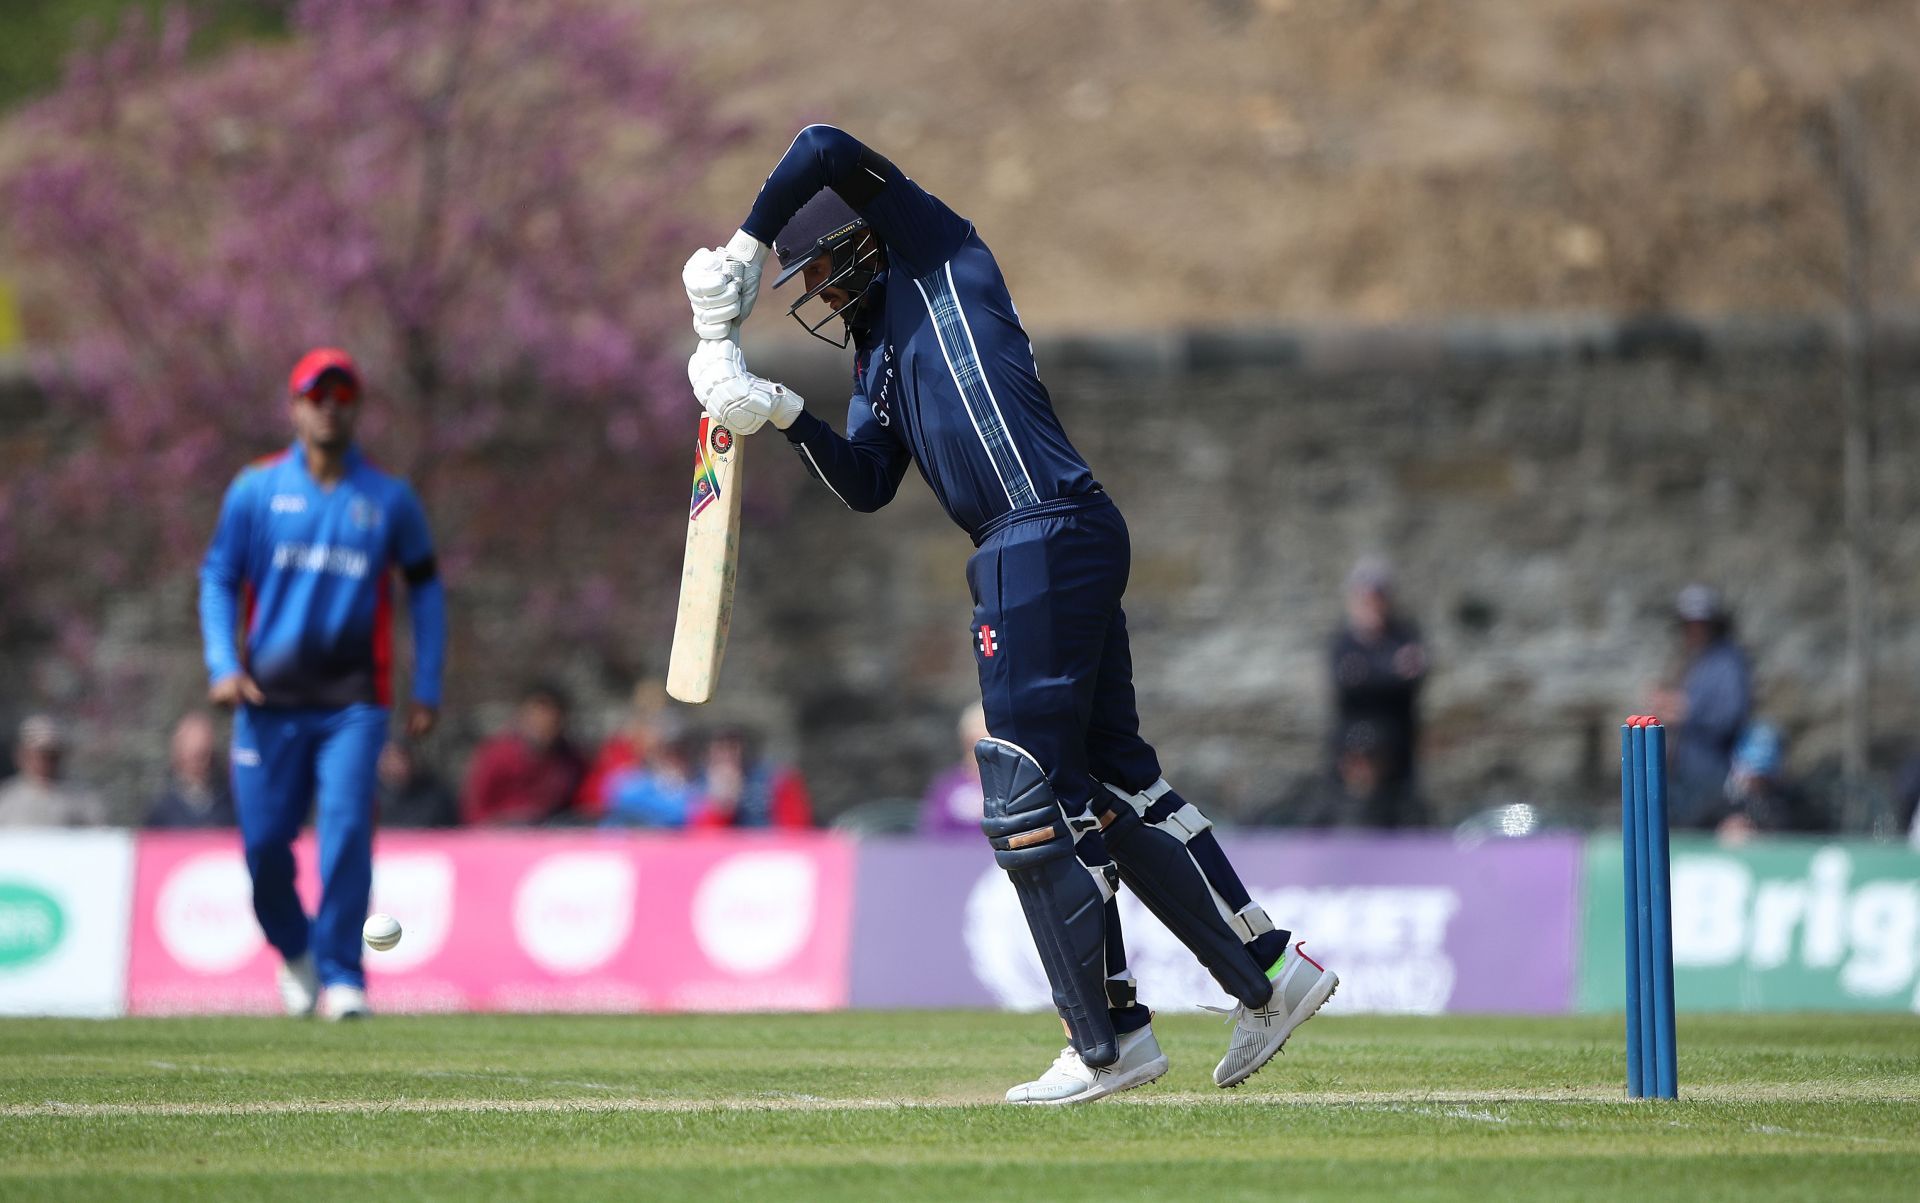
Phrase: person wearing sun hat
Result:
[40,795]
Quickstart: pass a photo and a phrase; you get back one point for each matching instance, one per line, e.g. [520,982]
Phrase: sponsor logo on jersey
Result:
[882,403]
[288,503]
[349,562]
[986,640]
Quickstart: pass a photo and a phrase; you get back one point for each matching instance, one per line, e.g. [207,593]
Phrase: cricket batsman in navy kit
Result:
[1075,805]
[301,566]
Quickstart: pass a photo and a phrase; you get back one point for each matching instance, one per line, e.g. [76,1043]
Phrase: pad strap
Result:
[1180,819]
[1251,922]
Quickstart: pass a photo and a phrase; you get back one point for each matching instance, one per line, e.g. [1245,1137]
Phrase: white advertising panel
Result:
[65,901]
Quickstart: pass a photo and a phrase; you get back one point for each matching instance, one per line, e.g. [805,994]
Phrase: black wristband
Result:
[860,186]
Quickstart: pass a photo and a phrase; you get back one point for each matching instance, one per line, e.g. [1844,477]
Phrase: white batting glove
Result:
[740,422]
[761,401]
[744,254]
[717,367]
[734,396]
[719,377]
[765,402]
[714,295]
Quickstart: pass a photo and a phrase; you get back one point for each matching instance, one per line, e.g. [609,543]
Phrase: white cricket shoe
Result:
[1300,988]
[1071,1080]
[341,1001]
[299,984]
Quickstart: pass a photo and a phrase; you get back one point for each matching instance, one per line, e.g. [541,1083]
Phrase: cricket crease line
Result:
[1391,1099]
[434,1106]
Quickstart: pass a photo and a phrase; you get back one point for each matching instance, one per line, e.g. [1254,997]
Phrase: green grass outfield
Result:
[900,1106]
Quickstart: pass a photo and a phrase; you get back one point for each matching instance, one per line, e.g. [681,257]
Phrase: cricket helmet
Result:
[827,225]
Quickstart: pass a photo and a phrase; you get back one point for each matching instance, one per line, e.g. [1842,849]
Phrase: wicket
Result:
[1652,1069]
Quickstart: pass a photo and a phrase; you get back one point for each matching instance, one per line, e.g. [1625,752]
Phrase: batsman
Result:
[944,378]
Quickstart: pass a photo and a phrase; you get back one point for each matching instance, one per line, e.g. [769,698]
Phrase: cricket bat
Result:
[713,560]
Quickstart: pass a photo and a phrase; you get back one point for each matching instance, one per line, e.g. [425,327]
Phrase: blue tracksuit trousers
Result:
[287,763]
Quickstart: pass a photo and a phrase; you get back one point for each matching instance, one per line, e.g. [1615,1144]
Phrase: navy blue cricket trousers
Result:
[1050,641]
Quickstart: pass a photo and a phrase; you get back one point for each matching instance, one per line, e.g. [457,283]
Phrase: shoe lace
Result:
[1064,1061]
[1232,1013]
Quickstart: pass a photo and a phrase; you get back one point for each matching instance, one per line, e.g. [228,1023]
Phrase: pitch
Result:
[900,1106]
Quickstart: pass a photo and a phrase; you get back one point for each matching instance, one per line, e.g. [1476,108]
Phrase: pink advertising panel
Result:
[522,921]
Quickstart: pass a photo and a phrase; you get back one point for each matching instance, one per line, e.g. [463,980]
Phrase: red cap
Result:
[317,363]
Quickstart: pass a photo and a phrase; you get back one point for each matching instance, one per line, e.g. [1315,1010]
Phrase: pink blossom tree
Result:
[482,199]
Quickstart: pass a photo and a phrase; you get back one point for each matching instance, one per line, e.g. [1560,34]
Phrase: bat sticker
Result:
[706,482]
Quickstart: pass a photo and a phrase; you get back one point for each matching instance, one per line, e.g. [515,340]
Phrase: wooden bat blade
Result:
[712,562]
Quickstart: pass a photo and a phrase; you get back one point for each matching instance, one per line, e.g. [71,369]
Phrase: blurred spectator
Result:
[952,804]
[1708,708]
[626,749]
[1759,795]
[1358,791]
[530,774]
[1378,665]
[409,793]
[37,797]
[663,792]
[199,792]
[740,788]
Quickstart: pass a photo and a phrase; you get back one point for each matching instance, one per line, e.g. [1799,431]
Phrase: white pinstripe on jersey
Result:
[955,336]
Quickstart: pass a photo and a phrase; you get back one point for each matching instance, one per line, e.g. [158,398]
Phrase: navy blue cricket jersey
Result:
[944,375]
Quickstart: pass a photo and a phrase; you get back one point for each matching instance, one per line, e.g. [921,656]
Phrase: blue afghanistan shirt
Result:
[308,571]
[944,375]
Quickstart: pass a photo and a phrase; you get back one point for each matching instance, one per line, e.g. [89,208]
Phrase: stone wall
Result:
[1544,487]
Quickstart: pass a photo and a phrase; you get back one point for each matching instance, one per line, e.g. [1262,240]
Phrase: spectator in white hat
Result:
[37,796]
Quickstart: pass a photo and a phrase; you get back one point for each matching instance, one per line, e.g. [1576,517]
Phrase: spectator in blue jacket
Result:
[198,793]
[664,791]
[1708,708]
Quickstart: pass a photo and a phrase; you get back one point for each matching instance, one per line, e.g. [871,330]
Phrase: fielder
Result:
[944,378]
[303,556]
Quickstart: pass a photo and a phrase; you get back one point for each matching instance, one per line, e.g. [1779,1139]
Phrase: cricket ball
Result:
[381,932]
